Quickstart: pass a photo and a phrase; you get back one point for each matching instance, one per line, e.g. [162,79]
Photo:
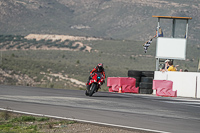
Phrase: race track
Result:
[133,111]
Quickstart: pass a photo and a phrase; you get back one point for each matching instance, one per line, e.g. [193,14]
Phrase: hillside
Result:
[58,61]
[44,42]
[55,43]
[117,19]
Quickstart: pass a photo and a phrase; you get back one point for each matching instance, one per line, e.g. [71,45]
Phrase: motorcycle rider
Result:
[99,68]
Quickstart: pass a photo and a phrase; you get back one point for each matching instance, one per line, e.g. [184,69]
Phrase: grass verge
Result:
[16,123]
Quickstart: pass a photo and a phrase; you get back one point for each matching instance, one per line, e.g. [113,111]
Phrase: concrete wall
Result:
[198,86]
[187,84]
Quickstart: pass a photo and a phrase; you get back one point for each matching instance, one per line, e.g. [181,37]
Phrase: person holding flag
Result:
[159,33]
[146,45]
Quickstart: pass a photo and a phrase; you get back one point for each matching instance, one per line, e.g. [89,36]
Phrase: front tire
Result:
[92,89]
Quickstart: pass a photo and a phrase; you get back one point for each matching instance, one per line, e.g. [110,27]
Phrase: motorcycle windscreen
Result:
[99,75]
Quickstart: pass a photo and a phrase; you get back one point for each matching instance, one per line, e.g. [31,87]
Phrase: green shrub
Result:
[23,119]
[82,48]
[70,44]
[18,47]
[42,119]
[6,125]
[56,41]
[51,85]
[75,47]
[38,46]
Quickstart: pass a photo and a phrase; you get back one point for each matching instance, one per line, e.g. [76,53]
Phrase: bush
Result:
[75,47]
[82,48]
[56,41]
[51,85]
[23,119]
[70,44]
[38,46]
[42,119]
[18,47]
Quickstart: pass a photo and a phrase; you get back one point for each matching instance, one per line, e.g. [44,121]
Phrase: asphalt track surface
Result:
[132,111]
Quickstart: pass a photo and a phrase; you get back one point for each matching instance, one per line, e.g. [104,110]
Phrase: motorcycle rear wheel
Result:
[87,90]
[86,93]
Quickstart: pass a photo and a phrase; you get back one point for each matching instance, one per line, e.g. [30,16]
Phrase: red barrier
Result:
[127,84]
[164,88]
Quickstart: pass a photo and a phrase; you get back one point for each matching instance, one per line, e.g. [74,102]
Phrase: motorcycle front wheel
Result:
[92,89]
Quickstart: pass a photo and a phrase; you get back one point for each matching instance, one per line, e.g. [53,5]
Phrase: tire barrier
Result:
[164,88]
[147,79]
[147,74]
[144,85]
[146,91]
[137,84]
[122,85]
[135,74]
[145,88]
[144,79]
[138,79]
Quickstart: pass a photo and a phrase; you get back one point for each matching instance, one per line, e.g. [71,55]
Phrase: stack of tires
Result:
[144,80]
[145,86]
[135,74]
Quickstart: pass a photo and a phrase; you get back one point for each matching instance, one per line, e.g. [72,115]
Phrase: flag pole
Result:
[1,57]
[198,67]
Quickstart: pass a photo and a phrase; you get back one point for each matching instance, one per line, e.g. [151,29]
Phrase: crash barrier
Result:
[164,88]
[187,84]
[144,80]
[122,84]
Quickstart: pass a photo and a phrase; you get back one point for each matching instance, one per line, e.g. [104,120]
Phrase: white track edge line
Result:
[84,121]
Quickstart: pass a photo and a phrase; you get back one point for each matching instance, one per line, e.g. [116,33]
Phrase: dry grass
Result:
[12,122]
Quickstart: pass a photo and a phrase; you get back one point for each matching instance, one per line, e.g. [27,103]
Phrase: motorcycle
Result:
[94,84]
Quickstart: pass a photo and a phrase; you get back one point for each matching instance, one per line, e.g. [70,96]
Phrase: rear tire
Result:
[86,93]
[87,90]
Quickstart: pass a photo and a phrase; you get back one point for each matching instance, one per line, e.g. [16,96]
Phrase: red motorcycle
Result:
[94,84]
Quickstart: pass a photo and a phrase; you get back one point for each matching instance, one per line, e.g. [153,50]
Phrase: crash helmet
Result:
[100,67]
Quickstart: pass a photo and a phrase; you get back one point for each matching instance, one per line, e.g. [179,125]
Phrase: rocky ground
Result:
[89,128]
